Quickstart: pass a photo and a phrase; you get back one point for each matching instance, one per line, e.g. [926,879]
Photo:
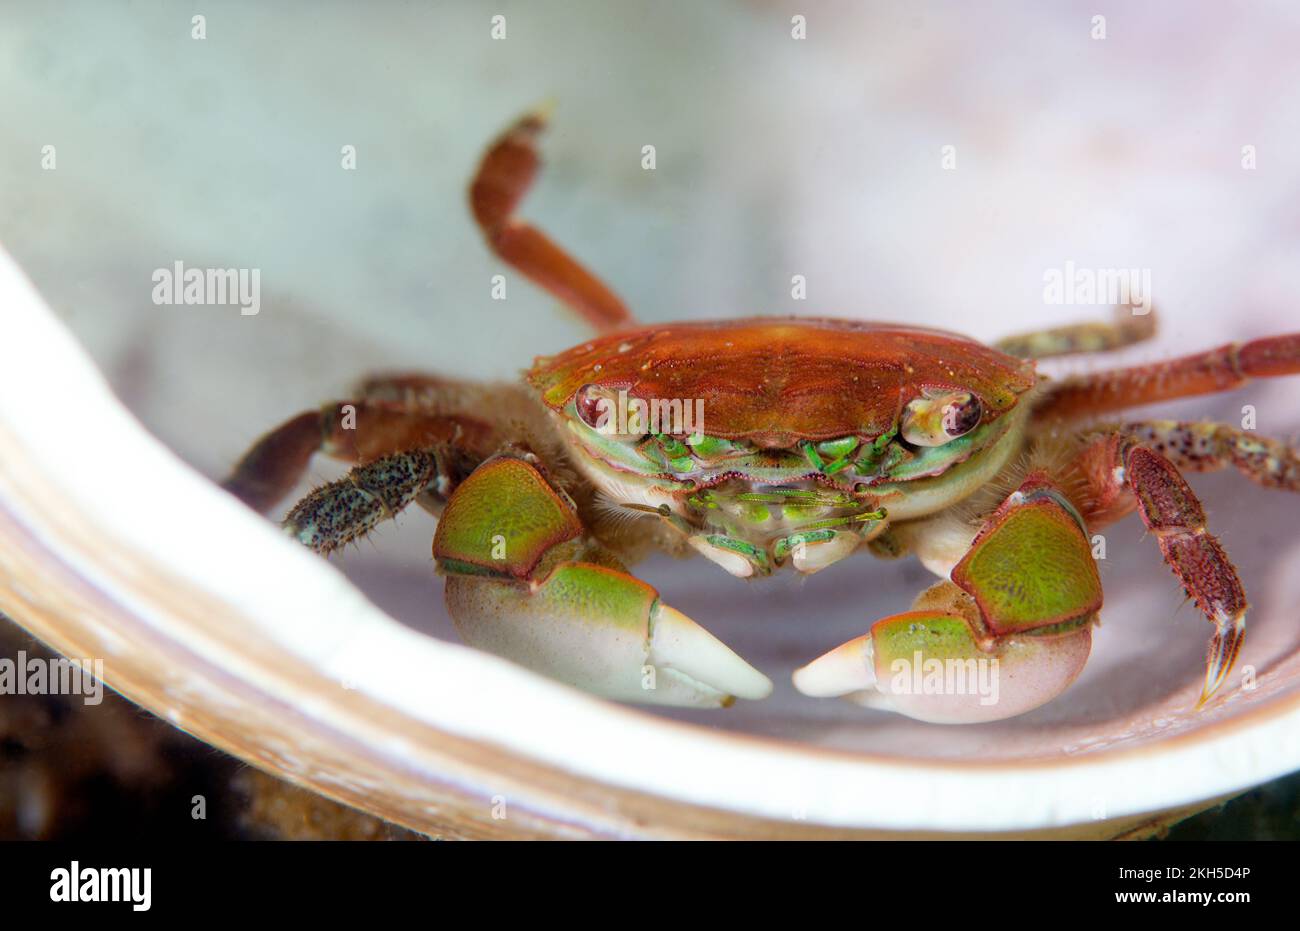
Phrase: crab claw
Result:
[928,665]
[606,632]
[685,650]
[524,583]
[1009,631]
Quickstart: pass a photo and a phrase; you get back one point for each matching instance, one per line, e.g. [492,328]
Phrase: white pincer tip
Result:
[848,668]
[679,643]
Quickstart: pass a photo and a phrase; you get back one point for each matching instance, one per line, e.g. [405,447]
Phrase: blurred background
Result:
[923,162]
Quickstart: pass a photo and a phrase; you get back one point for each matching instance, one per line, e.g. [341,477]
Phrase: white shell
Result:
[111,547]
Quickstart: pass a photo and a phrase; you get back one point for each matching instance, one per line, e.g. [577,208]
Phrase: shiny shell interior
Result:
[116,414]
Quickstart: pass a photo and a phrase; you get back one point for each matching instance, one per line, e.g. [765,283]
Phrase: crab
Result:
[774,444]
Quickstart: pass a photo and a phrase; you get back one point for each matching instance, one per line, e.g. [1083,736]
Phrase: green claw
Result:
[526,583]
[604,631]
[1015,619]
[1032,566]
[929,665]
[502,520]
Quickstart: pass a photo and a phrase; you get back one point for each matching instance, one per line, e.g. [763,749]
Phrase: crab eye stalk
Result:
[936,419]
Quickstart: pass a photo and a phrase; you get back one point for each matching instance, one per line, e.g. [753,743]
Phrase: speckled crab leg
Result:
[504,176]
[1009,632]
[526,582]
[1204,447]
[335,514]
[1124,475]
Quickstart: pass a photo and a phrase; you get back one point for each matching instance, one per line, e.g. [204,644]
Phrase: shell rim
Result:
[1218,757]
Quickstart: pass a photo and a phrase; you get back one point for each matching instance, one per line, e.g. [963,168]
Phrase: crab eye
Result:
[610,412]
[962,416]
[934,420]
[593,406]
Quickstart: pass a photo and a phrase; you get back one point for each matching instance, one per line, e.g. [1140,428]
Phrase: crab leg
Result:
[504,176]
[1204,447]
[1008,633]
[353,431]
[524,581]
[1124,475]
[1125,329]
[1207,372]
[334,515]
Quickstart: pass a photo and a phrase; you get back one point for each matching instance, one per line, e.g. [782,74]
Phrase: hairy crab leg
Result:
[335,514]
[1010,632]
[1207,372]
[526,582]
[1124,475]
[1205,447]
[504,176]
[353,431]
[1125,329]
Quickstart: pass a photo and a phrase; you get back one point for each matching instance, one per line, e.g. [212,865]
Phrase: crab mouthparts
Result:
[751,530]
